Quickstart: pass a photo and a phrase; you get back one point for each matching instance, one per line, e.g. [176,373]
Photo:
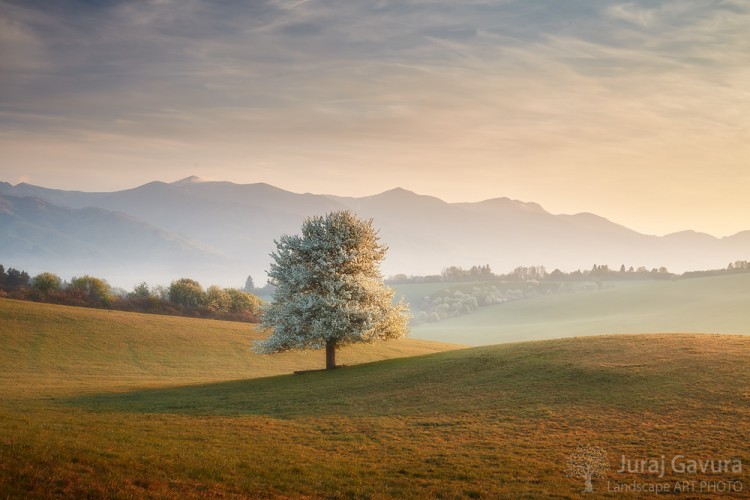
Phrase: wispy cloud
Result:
[525,96]
[631,13]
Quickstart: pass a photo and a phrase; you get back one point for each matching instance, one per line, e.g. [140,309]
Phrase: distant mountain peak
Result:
[526,206]
[504,205]
[690,235]
[401,195]
[397,191]
[193,179]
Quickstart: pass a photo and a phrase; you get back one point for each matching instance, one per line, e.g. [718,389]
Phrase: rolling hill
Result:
[718,304]
[424,234]
[100,404]
[62,348]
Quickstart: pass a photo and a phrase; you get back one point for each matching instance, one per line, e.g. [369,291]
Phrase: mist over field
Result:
[698,305]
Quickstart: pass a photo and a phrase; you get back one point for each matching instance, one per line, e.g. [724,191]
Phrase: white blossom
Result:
[329,290]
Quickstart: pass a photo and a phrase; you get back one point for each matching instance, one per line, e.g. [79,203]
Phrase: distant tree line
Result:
[740,266]
[455,274]
[183,297]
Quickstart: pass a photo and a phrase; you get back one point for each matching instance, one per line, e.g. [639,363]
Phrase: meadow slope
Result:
[52,348]
[487,422]
[719,304]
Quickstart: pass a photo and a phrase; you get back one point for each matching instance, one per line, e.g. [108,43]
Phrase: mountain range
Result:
[219,232]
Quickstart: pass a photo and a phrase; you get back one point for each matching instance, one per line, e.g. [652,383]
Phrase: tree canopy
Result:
[329,290]
[187,292]
[46,283]
[92,289]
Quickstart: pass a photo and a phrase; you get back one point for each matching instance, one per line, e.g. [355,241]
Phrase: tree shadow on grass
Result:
[448,384]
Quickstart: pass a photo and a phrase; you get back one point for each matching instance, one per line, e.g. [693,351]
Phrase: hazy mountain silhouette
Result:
[424,233]
[36,235]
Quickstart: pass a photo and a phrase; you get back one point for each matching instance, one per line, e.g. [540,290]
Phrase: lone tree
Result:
[586,463]
[329,290]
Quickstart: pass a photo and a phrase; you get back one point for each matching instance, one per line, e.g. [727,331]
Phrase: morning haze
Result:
[379,249]
[218,232]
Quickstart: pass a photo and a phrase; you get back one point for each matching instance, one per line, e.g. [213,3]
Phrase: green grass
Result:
[719,304]
[488,422]
[58,347]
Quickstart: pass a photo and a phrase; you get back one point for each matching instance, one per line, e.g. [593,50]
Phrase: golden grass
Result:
[53,349]
[490,422]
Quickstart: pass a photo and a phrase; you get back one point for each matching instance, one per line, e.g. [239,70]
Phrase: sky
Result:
[637,111]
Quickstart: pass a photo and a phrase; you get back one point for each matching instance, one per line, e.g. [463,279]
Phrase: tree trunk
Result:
[588,488]
[330,355]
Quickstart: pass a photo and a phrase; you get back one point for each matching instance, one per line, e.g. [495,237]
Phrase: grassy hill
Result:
[122,405]
[56,348]
[718,304]
[487,422]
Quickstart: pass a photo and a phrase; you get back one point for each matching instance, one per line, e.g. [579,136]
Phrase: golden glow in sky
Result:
[636,111]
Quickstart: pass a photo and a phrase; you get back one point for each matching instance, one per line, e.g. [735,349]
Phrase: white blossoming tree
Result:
[329,290]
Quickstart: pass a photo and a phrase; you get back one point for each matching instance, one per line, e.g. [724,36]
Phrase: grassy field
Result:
[102,404]
[59,348]
[719,304]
